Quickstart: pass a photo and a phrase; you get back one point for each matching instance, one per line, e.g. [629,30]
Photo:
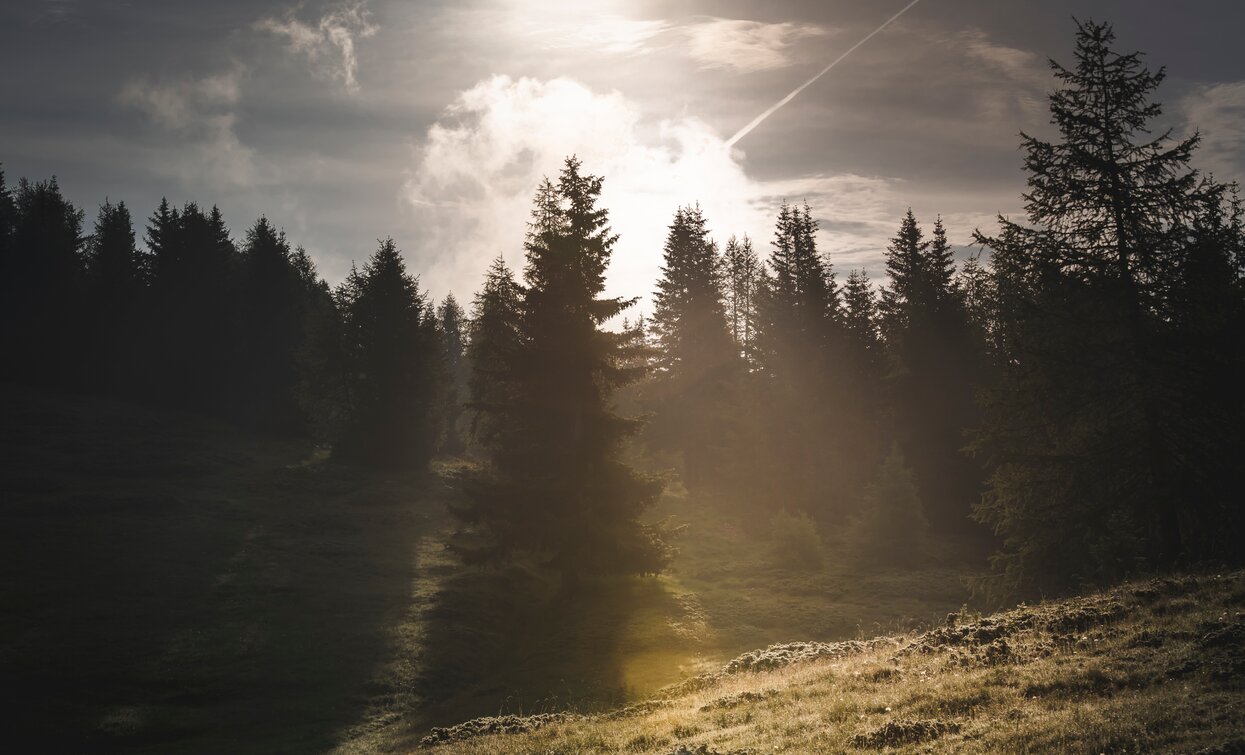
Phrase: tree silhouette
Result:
[1112,431]
[556,485]
[450,318]
[697,361]
[935,361]
[393,354]
[492,351]
[116,299]
[43,330]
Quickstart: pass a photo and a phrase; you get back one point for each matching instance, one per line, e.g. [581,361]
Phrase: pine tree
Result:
[192,320]
[116,290]
[43,329]
[696,359]
[556,485]
[450,318]
[273,301]
[743,281]
[1110,446]
[935,363]
[393,353]
[800,346]
[861,323]
[322,391]
[492,350]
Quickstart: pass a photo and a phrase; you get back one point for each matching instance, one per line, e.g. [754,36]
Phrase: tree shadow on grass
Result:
[175,586]
[508,641]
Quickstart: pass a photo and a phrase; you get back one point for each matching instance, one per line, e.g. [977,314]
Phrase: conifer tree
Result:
[696,359]
[393,353]
[1104,462]
[273,301]
[800,344]
[492,351]
[116,288]
[935,362]
[322,391]
[556,485]
[450,318]
[43,331]
[743,282]
[862,326]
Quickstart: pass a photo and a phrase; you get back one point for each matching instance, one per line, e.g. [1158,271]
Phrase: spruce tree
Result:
[1118,318]
[450,318]
[800,344]
[863,329]
[393,354]
[492,351]
[43,330]
[696,359]
[555,485]
[935,363]
[743,282]
[273,300]
[116,290]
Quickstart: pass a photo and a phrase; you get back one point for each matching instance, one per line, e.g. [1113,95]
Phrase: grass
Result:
[174,585]
[1147,667]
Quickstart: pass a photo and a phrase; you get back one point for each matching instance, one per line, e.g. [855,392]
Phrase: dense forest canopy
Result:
[1071,394]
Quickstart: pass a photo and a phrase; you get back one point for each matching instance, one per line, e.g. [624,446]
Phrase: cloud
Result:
[329,43]
[604,33]
[745,46]
[1015,81]
[479,165]
[198,112]
[1218,112]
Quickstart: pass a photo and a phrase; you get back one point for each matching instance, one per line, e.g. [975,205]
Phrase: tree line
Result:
[1071,390]
[245,331]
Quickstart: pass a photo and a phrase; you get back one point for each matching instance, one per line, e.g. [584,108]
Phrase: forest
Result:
[1063,402]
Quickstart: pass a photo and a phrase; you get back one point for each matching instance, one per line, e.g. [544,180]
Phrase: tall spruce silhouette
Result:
[697,361]
[556,485]
[934,363]
[1115,428]
[393,359]
[492,351]
[115,301]
[799,343]
[743,282]
[43,330]
[450,322]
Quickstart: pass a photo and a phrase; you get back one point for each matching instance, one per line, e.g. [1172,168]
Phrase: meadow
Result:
[176,585]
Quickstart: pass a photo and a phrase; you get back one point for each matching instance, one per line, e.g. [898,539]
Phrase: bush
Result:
[891,526]
[795,541]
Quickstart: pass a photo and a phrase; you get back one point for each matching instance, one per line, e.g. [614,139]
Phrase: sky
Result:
[348,121]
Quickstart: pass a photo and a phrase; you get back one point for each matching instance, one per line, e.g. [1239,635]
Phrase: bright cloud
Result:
[329,43]
[743,45]
[479,166]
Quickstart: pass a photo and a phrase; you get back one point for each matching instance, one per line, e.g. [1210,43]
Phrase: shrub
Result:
[891,525]
[795,541]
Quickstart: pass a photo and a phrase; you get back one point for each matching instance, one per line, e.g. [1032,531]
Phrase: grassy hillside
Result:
[171,584]
[1157,666]
[175,585]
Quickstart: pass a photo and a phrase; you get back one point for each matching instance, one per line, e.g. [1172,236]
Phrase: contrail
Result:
[757,121]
